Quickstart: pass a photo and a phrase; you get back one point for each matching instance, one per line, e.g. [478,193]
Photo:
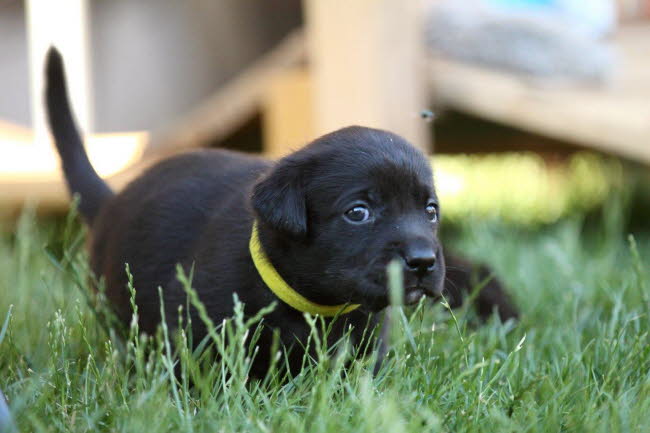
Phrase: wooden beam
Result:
[218,117]
[232,104]
[365,58]
[613,119]
[30,173]
[287,119]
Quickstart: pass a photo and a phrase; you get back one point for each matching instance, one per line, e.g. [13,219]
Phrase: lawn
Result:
[578,360]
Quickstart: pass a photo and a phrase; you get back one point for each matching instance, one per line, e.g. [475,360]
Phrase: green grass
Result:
[579,360]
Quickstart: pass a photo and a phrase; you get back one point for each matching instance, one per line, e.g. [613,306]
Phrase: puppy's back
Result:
[156,220]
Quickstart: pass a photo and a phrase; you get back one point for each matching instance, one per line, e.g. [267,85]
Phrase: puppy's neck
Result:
[283,290]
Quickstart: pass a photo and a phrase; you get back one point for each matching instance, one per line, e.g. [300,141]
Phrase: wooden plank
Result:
[614,119]
[31,173]
[10,131]
[219,116]
[366,63]
[231,105]
[629,10]
[287,118]
[50,193]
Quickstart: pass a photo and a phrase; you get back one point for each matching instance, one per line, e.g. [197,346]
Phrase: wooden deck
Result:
[219,116]
[614,119]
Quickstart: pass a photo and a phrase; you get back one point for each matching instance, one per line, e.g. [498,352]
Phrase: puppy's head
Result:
[338,211]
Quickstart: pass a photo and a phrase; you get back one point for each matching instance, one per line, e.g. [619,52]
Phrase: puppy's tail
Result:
[80,175]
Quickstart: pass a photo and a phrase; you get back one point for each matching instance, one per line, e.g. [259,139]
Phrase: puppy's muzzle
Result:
[419,260]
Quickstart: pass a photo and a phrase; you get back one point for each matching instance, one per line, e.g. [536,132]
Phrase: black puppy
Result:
[313,231]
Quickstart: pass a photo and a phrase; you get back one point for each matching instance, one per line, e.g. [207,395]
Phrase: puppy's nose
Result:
[420,260]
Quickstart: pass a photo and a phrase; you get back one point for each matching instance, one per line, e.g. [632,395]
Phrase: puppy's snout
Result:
[420,259]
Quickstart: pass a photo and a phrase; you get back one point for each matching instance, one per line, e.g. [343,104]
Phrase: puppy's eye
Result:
[432,212]
[358,214]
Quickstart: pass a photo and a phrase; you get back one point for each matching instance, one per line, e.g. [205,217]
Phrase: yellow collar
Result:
[282,290]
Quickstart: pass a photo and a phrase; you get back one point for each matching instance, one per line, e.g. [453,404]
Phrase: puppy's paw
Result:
[464,276]
[494,297]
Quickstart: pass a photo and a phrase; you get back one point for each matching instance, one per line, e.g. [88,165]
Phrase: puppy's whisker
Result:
[451,283]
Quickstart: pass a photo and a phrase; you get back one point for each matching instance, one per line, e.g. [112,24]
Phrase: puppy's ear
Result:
[279,200]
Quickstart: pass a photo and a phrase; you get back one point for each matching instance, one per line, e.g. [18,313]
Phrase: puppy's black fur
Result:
[331,217]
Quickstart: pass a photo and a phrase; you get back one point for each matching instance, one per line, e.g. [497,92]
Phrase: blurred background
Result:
[535,109]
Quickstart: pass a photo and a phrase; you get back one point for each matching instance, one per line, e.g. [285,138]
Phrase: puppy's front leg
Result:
[383,340]
[462,276]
